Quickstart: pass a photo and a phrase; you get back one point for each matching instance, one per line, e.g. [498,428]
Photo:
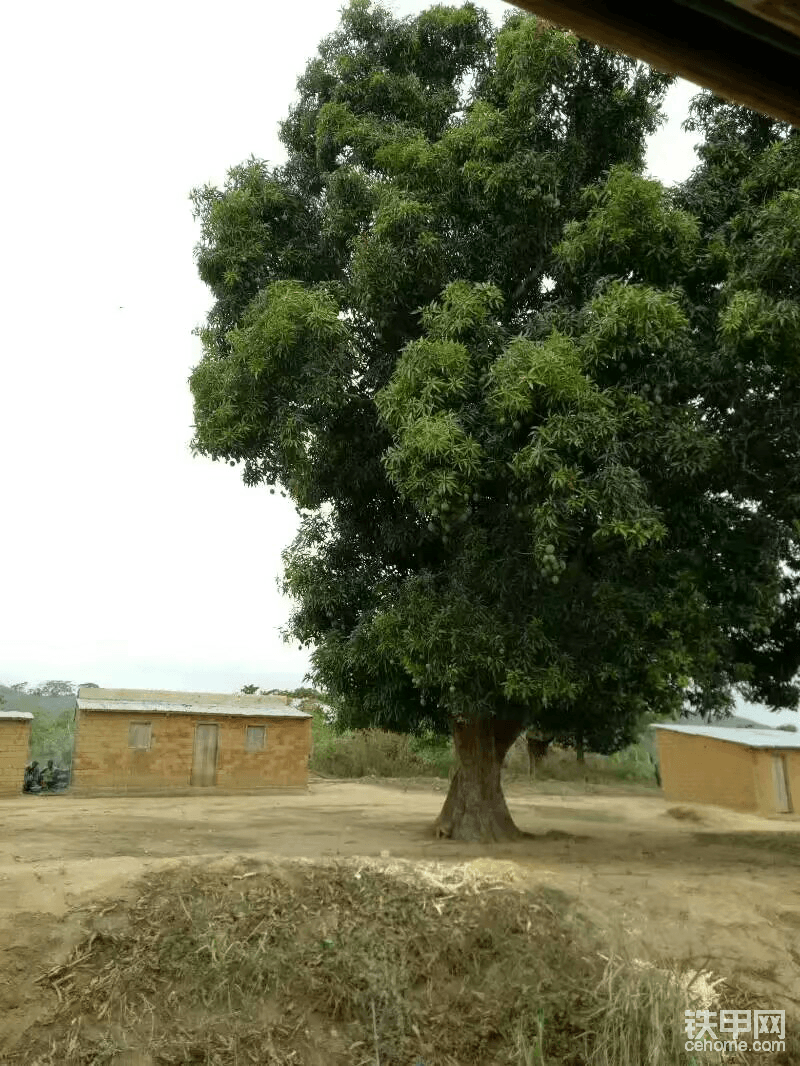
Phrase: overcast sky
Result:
[126,561]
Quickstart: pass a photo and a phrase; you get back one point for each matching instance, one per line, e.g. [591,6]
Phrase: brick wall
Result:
[698,769]
[15,741]
[103,758]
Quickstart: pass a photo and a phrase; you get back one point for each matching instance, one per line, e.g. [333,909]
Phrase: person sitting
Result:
[48,776]
[31,778]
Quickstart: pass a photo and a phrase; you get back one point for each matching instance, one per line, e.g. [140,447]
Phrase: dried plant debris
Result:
[345,962]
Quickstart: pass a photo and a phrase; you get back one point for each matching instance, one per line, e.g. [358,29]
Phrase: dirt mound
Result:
[684,814]
[348,962]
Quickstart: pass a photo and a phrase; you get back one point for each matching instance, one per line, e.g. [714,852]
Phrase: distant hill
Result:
[735,721]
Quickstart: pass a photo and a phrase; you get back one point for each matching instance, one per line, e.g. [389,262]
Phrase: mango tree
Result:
[537,413]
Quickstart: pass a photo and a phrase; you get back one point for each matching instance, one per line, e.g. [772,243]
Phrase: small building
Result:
[141,740]
[755,770]
[15,747]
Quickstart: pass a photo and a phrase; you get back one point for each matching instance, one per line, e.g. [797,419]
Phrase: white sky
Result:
[126,561]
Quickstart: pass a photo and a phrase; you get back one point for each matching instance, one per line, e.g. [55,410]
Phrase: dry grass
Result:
[352,964]
[636,1013]
[630,766]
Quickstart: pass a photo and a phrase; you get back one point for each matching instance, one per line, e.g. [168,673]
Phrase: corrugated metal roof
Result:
[748,738]
[15,714]
[169,696]
[160,702]
[743,50]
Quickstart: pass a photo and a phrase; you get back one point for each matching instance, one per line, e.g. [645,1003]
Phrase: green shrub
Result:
[631,764]
[52,737]
[376,753]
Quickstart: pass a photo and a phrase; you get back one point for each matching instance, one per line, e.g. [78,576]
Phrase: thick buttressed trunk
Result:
[475,808]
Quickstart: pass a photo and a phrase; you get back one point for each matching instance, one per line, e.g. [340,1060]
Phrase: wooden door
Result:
[783,801]
[204,763]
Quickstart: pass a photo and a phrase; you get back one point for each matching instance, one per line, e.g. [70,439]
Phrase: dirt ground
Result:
[700,885]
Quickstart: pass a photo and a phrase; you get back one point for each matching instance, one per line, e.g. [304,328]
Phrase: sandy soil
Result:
[719,889]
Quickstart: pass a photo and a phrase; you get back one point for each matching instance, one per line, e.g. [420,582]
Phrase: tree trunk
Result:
[580,750]
[475,808]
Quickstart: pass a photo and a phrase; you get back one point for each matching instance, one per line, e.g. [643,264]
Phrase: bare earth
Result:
[701,885]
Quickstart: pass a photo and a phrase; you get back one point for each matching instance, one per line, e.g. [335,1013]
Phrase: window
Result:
[140,735]
[255,738]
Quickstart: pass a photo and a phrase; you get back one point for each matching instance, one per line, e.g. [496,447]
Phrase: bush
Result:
[306,694]
[375,752]
[631,764]
[436,753]
[52,737]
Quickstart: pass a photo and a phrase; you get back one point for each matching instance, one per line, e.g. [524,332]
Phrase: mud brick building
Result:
[15,746]
[755,770]
[131,740]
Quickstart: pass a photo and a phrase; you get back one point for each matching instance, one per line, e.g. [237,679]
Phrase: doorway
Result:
[783,799]
[204,762]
